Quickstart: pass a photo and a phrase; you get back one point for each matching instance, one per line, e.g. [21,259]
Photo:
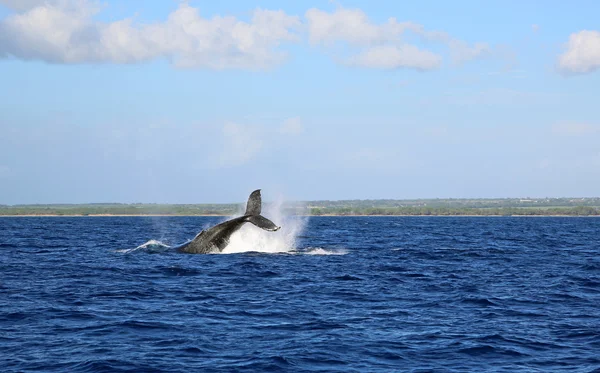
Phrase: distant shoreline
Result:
[100,215]
[309,216]
[418,207]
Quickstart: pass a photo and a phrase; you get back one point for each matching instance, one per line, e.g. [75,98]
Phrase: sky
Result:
[204,101]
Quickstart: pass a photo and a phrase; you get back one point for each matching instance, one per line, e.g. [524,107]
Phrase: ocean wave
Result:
[150,246]
[321,251]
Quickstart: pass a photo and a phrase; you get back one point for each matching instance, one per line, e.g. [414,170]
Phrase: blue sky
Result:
[193,102]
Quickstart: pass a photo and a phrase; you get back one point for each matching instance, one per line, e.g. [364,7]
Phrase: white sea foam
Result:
[150,246]
[252,238]
[321,251]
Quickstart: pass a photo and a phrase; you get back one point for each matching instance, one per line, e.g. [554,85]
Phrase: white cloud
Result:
[292,126]
[241,144]
[461,52]
[66,32]
[574,129]
[352,26]
[582,54]
[393,57]
[383,45]
[23,4]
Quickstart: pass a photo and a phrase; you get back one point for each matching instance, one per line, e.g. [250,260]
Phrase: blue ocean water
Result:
[355,294]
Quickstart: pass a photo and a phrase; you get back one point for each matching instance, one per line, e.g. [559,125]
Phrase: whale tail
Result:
[254,203]
[253,208]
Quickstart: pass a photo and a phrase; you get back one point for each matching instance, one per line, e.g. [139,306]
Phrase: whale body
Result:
[215,239]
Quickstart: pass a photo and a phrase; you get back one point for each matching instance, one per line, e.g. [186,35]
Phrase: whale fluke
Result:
[262,222]
[253,206]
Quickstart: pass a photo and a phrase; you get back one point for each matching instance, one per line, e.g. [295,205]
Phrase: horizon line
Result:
[524,199]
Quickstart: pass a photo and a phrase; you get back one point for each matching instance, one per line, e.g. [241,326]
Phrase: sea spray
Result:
[152,246]
[160,225]
[321,251]
[251,238]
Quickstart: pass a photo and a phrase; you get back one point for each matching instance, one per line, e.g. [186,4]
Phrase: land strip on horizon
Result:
[390,207]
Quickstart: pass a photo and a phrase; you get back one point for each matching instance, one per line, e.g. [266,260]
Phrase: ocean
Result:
[325,294]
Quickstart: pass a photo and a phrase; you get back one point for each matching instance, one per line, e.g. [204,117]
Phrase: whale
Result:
[215,239]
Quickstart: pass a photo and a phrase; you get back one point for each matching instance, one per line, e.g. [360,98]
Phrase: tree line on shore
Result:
[451,207]
[448,211]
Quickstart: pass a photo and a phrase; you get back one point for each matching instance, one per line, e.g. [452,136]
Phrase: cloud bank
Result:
[243,143]
[383,46]
[67,32]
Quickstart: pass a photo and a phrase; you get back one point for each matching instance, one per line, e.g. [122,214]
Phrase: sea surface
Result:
[333,294]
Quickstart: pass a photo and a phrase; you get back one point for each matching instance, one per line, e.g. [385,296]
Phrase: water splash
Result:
[321,251]
[152,246]
[252,238]
[160,225]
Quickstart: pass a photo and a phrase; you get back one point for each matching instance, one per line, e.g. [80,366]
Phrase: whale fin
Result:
[262,222]
[253,208]
[254,204]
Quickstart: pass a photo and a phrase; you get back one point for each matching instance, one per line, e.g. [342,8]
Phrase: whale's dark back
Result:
[214,239]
